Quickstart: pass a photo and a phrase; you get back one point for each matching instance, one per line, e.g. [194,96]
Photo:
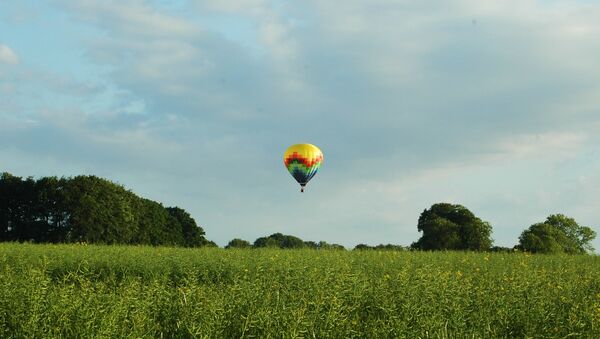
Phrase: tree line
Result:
[278,240]
[453,227]
[94,210]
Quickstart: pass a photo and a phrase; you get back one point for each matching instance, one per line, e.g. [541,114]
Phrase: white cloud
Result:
[8,56]
[549,145]
[134,18]
[237,6]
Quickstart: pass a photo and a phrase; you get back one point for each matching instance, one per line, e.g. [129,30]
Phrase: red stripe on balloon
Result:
[305,161]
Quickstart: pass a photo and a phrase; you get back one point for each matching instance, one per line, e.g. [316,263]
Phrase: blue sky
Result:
[492,105]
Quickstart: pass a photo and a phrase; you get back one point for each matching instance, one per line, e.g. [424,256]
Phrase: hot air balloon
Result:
[303,161]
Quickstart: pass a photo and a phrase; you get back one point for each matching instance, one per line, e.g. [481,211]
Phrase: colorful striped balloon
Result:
[303,161]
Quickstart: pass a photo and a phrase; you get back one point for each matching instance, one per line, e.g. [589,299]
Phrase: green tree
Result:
[152,221]
[311,244]
[100,211]
[52,208]
[19,210]
[389,247]
[266,242]
[279,240]
[362,247]
[32,210]
[210,243]
[323,245]
[558,234]
[502,249]
[193,235]
[452,227]
[238,243]
[90,209]
[10,206]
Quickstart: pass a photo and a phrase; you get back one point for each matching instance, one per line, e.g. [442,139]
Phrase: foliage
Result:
[278,240]
[452,227]
[502,249]
[323,245]
[238,243]
[380,247]
[91,210]
[77,291]
[193,236]
[558,234]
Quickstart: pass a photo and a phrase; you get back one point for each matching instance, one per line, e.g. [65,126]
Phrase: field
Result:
[120,291]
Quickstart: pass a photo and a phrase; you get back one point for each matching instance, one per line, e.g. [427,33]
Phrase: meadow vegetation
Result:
[151,292]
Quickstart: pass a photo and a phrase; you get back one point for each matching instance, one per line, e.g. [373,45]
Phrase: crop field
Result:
[129,291]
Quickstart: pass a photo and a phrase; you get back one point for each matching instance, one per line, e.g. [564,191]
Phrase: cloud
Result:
[132,18]
[8,56]
[555,145]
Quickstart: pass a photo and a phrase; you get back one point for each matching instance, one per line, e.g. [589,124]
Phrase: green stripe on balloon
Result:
[301,167]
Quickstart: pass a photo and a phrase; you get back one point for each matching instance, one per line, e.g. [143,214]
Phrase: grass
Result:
[120,291]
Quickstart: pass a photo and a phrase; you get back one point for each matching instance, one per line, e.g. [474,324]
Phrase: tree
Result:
[362,247]
[90,209]
[193,235]
[502,249]
[266,242]
[52,208]
[558,234]
[209,243]
[389,247]
[311,244]
[100,211]
[238,243]
[380,247]
[10,206]
[452,227]
[323,245]
[151,220]
[279,240]
[19,211]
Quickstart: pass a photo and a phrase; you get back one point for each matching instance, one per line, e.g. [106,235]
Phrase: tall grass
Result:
[119,291]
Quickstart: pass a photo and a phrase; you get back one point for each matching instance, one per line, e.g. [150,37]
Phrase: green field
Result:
[120,291]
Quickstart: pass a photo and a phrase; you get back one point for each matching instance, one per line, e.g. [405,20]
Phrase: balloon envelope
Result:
[303,161]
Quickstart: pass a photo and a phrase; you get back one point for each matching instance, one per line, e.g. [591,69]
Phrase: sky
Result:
[494,105]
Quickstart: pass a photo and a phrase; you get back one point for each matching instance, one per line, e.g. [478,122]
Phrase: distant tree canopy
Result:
[452,227]
[238,243]
[558,234]
[503,249]
[380,247]
[323,245]
[278,240]
[89,209]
